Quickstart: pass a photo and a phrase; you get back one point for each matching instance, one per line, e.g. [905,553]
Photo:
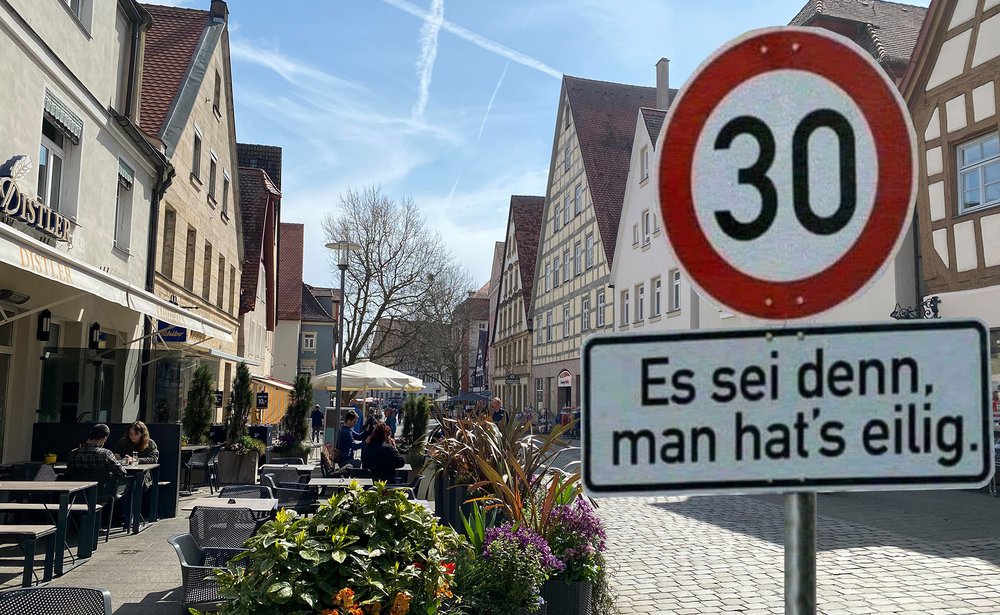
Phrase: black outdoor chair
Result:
[32,470]
[206,461]
[55,601]
[287,475]
[245,491]
[293,496]
[110,489]
[292,460]
[222,528]
[198,568]
[350,472]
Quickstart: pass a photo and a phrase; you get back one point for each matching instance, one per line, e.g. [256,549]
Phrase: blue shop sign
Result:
[171,333]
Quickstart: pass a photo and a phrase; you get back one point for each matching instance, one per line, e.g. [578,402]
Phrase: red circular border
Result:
[870,89]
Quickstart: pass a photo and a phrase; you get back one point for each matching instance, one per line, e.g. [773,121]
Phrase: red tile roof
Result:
[526,213]
[653,119]
[257,197]
[604,114]
[290,241]
[171,43]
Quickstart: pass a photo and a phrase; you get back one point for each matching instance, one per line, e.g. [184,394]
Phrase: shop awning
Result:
[27,254]
[278,384]
[219,354]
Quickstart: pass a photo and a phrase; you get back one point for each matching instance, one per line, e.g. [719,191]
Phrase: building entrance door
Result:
[6,353]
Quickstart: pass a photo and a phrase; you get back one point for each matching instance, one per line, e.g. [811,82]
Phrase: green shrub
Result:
[200,401]
[296,419]
[383,548]
[241,400]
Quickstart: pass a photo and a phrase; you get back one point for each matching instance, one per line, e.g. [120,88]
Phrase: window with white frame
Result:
[600,308]
[644,164]
[585,313]
[640,302]
[566,265]
[76,6]
[577,258]
[578,200]
[217,94]
[213,169]
[555,272]
[196,155]
[51,165]
[557,219]
[548,277]
[656,224]
[646,230]
[225,194]
[979,173]
[548,326]
[538,335]
[635,234]
[309,341]
[567,156]
[123,207]
[675,289]
[625,307]
[565,209]
[308,368]
[590,250]
[657,283]
[567,328]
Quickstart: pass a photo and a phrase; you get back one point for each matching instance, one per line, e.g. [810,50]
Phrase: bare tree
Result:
[391,279]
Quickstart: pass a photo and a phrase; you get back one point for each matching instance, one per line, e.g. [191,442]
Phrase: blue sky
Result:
[449,102]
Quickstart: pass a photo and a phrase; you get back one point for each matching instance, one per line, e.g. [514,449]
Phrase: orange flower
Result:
[344,597]
[375,608]
[401,604]
[443,592]
[330,612]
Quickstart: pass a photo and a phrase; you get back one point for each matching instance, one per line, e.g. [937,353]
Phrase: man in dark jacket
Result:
[318,416]
[347,440]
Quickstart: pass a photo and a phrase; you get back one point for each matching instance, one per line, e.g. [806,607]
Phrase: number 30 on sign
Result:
[786,173]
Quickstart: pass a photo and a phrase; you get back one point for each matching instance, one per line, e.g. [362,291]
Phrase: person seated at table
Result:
[92,454]
[137,445]
[348,440]
[381,456]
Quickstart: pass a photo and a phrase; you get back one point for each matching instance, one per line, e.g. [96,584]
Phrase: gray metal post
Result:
[800,554]
[340,351]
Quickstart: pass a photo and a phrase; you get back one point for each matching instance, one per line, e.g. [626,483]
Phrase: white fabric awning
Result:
[219,354]
[27,254]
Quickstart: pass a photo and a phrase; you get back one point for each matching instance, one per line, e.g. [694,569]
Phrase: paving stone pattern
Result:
[725,555]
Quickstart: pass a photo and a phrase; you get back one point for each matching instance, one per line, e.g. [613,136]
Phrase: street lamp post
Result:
[343,250]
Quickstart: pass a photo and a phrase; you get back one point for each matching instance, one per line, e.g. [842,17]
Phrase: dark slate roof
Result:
[171,43]
[653,118]
[526,213]
[478,308]
[267,157]
[604,114]
[290,240]
[312,309]
[256,191]
[887,30]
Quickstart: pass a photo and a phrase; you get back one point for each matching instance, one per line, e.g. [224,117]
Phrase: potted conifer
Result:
[200,400]
[240,453]
[294,442]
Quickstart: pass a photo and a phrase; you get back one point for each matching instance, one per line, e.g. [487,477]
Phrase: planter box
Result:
[237,469]
[562,598]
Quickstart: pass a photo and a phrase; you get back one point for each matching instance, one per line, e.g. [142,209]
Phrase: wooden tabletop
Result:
[142,467]
[340,482]
[55,486]
[299,467]
[254,504]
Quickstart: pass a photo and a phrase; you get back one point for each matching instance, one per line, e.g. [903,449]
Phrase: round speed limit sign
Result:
[786,173]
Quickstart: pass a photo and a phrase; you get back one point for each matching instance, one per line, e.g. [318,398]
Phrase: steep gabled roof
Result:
[887,30]
[604,115]
[256,194]
[171,44]
[312,309]
[290,240]
[267,157]
[526,213]
[653,119]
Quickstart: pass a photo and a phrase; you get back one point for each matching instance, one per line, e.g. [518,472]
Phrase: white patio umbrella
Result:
[367,376]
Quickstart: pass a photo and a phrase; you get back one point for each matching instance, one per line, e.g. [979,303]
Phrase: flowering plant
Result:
[505,579]
[577,537]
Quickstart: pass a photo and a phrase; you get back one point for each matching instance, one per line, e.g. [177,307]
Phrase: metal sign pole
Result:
[800,554]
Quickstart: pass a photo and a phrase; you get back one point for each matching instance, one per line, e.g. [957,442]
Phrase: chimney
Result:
[662,83]
[219,11]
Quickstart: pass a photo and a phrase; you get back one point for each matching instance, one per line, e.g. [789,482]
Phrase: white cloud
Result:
[428,52]
[479,40]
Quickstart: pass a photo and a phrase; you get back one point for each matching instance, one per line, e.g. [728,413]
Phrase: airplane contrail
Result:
[428,52]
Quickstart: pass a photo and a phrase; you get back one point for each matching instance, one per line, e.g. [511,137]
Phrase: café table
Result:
[428,504]
[340,482]
[303,469]
[254,504]
[135,473]
[67,491]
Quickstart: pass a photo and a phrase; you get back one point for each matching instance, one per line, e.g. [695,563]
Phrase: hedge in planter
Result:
[362,552]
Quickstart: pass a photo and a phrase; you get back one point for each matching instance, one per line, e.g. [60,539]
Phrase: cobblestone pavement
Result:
[899,552]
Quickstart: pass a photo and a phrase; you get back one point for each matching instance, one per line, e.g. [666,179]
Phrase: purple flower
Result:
[530,543]
[577,534]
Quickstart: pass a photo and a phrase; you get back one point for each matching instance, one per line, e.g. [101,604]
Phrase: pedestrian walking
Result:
[318,416]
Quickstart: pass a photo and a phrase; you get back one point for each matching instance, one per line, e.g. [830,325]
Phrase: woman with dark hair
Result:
[136,445]
[381,456]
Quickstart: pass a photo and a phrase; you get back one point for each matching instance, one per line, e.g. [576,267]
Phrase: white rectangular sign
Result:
[803,408]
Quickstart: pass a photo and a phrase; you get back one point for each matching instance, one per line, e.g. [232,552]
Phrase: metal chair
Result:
[286,475]
[55,601]
[198,568]
[245,491]
[293,496]
[110,489]
[204,460]
[222,528]
[295,461]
